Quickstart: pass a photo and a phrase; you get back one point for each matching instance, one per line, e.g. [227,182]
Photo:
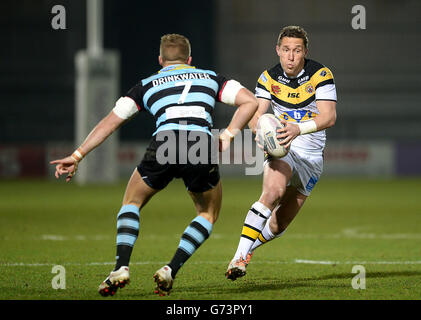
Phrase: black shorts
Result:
[198,176]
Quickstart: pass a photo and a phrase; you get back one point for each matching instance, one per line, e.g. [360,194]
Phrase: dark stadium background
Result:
[37,64]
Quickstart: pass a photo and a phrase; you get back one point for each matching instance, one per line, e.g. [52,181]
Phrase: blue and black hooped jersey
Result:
[180,97]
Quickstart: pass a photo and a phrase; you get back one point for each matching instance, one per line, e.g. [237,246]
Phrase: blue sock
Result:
[127,232]
[194,235]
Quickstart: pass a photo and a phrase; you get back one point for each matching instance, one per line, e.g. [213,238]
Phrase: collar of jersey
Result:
[298,75]
[176,67]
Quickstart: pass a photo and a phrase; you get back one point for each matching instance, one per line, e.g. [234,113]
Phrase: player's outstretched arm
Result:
[261,109]
[246,104]
[99,134]
[325,119]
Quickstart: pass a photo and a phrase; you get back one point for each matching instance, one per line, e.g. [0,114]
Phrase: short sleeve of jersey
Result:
[263,86]
[136,93]
[221,81]
[325,85]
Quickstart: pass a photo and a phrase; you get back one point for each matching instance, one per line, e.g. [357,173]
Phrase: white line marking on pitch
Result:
[354,262]
[296,261]
[345,234]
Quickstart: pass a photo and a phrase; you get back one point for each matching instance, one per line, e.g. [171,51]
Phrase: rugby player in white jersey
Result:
[302,95]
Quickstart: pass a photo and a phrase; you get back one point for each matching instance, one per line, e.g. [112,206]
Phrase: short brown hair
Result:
[293,32]
[174,47]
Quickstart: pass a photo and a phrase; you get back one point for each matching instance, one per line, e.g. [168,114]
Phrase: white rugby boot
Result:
[116,279]
[164,281]
[237,268]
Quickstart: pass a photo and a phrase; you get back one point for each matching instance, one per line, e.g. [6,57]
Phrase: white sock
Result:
[265,236]
[253,225]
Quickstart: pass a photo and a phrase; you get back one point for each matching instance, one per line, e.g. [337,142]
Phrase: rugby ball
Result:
[266,133]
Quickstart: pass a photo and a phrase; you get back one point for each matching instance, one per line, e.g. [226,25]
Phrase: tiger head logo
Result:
[276,89]
[309,88]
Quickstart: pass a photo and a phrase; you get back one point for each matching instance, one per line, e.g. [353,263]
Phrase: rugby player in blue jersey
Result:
[182,100]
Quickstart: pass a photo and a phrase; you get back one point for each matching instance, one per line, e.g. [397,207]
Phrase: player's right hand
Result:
[224,140]
[288,133]
[66,165]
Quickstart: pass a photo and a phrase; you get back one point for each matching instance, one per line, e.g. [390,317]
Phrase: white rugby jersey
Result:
[294,99]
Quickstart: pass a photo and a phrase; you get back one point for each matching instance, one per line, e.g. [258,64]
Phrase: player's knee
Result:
[271,196]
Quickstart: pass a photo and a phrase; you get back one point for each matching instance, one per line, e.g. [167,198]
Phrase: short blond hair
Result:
[174,47]
[294,32]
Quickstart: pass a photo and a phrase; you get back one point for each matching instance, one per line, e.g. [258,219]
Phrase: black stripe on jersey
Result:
[277,74]
[187,121]
[293,105]
[321,84]
[136,93]
[150,83]
[128,215]
[177,90]
[261,86]
[260,97]
[207,107]
[219,79]
[200,228]
[310,68]
[134,232]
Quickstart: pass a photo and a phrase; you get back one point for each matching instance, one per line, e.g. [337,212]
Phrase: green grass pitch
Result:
[345,222]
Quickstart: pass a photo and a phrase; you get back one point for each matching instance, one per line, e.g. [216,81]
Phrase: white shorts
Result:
[306,169]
